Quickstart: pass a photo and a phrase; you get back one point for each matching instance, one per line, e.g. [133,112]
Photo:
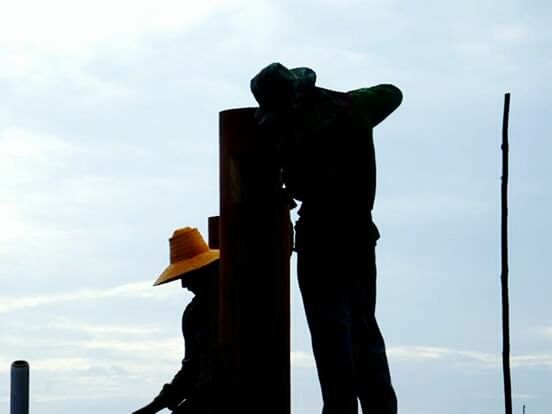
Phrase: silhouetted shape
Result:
[254,329]
[197,266]
[504,260]
[19,403]
[324,143]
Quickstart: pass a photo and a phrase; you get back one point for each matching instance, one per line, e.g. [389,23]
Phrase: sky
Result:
[109,142]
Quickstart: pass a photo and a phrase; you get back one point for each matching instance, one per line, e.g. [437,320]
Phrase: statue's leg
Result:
[328,310]
[371,370]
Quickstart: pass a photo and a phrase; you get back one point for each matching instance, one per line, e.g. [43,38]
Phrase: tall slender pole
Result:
[504,276]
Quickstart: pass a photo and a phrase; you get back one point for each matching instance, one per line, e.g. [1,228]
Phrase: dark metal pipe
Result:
[254,315]
[20,387]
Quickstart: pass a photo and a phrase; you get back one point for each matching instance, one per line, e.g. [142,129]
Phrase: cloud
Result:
[428,353]
[115,359]
[44,43]
[479,359]
[20,143]
[513,32]
[102,330]
[518,396]
[24,153]
[79,205]
[302,359]
[61,364]
[111,361]
[430,206]
[80,345]
[130,290]
[542,332]
[60,26]
[543,360]
[27,160]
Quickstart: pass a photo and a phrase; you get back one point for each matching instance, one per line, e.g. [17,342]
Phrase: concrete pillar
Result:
[254,323]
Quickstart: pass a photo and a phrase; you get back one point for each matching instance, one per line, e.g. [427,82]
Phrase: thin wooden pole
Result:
[504,276]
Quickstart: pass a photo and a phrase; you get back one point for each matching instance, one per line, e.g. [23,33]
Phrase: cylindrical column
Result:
[254,333]
[213,383]
[214,232]
[19,387]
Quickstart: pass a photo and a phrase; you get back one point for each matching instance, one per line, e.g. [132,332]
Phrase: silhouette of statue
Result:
[197,267]
[325,145]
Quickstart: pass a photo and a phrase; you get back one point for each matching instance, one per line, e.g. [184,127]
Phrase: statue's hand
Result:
[148,409]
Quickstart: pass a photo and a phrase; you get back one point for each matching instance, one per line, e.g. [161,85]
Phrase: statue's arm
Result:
[174,392]
[183,383]
[372,105]
[179,388]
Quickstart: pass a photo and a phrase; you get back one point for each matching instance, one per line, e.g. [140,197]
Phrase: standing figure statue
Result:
[197,267]
[325,146]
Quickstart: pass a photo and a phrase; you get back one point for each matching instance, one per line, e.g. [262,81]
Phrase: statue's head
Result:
[275,86]
[203,279]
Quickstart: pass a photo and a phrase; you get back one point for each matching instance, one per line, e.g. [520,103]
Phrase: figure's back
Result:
[330,156]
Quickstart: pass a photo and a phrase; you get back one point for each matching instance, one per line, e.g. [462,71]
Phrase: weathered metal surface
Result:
[254,327]
[19,388]
[214,232]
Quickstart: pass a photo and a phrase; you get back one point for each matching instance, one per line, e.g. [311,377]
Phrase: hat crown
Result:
[274,86]
[186,243]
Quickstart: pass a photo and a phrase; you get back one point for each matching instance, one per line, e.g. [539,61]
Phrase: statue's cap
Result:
[275,85]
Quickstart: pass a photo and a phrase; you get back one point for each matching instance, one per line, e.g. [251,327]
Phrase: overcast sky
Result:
[109,141]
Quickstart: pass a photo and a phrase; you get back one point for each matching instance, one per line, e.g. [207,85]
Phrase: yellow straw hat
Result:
[188,252]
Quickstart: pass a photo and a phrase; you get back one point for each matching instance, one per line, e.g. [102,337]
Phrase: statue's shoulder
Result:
[375,103]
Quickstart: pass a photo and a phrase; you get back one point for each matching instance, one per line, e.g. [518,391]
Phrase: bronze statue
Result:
[325,146]
[197,267]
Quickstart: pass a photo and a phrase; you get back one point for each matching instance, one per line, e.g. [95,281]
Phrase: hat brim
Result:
[177,270]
